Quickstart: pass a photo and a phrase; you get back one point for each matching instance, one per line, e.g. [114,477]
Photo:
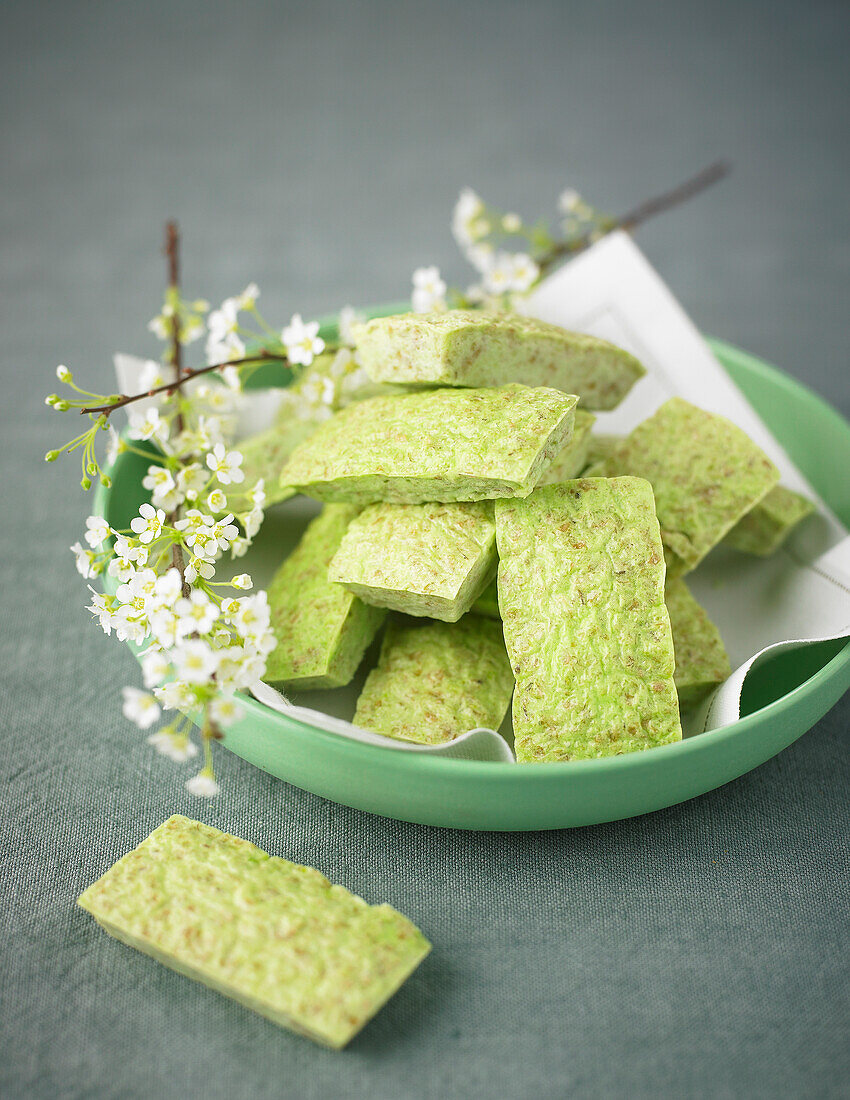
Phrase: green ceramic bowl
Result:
[782,700]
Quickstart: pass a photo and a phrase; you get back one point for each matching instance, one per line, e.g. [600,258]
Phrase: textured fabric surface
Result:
[700,951]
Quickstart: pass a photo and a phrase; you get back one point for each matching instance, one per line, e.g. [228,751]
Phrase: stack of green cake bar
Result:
[456,507]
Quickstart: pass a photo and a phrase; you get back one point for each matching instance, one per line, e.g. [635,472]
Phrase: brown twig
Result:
[188,374]
[172,253]
[642,213]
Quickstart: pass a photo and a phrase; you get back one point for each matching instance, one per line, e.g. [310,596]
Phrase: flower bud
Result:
[51,456]
[86,483]
[63,374]
[51,399]
[61,405]
[106,481]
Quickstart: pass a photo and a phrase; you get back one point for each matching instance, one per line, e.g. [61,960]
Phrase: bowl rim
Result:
[458,767]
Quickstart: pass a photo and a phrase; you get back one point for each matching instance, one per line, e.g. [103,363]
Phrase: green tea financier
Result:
[471,348]
[434,680]
[422,559]
[571,459]
[701,660]
[435,445]
[581,593]
[273,935]
[705,472]
[766,526]
[322,629]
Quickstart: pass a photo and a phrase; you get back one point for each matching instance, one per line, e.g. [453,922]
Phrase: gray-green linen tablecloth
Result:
[699,951]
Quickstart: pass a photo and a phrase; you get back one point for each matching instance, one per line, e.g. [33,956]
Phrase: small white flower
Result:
[199,567]
[253,521]
[176,747]
[481,257]
[512,223]
[232,381]
[202,785]
[101,608]
[163,487]
[240,547]
[155,668]
[428,290]
[192,480]
[206,544]
[114,447]
[147,425]
[467,213]
[193,329]
[148,524]
[216,501]
[176,695]
[348,316]
[239,667]
[302,341]
[160,325]
[569,200]
[343,364]
[223,322]
[197,614]
[168,588]
[129,624]
[139,590]
[86,565]
[122,569]
[257,495]
[248,298]
[243,581]
[98,530]
[252,618]
[166,627]
[225,465]
[525,272]
[224,532]
[140,707]
[223,351]
[224,711]
[192,522]
[130,550]
[152,375]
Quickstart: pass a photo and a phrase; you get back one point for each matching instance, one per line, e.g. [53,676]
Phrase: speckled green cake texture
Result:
[766,526]
[273,935]
[265,454]
[435,445]
[322,629]
[701,660]
[571,459]
[581,594]
[421,559]
[436,680]
[705,472]
[474,348]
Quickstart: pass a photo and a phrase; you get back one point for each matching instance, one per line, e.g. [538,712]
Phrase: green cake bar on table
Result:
[581,593]
[273,935]
[473,348]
